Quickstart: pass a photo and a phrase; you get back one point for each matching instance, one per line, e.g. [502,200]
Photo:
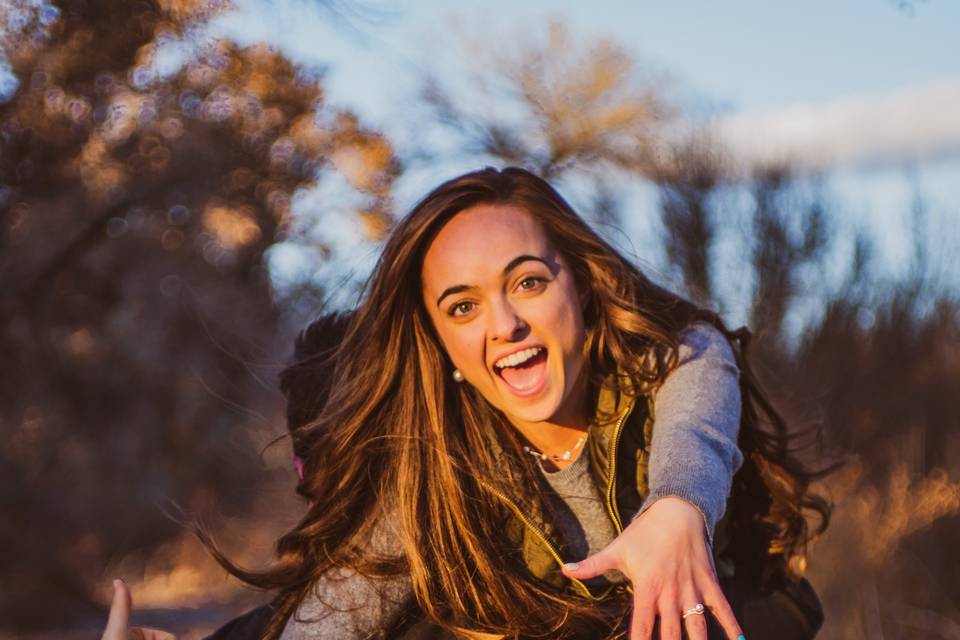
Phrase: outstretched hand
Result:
[665,556]
[118,623]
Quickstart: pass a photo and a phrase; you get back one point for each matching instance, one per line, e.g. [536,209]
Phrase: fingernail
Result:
[571,566]
[741,637]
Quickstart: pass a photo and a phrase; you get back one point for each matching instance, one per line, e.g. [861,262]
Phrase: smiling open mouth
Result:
[524,373]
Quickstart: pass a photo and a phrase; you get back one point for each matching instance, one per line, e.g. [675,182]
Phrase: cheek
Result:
[463,346]
[569,322]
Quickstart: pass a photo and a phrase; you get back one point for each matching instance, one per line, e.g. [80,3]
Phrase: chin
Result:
[541,411]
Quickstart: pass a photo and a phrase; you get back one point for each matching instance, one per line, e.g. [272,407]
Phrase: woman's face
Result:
[506,308]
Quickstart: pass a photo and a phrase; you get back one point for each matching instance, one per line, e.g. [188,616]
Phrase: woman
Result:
[498,325]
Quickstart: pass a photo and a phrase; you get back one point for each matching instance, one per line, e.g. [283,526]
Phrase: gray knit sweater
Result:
[693,456]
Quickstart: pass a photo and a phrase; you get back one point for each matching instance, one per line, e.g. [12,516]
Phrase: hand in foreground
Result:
[118,622]
[665,556]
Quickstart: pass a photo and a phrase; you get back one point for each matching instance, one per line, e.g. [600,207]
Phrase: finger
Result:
[642,618]
[669,623]
[720,607]
[695,624]
[595,565]
[116,628]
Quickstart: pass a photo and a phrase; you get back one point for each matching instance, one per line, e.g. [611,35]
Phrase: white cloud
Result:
[912,124]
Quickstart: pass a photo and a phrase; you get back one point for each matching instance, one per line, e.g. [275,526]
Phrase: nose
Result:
[506,325]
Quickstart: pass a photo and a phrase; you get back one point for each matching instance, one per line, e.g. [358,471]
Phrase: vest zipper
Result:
[611,506]
[612,471]
[540,534]
[611,474]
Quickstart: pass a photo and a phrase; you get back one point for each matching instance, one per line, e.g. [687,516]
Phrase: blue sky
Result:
[755,55]
[745,55]
[768,67]
[872,88]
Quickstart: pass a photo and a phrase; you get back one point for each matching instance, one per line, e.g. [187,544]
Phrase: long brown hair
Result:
[399,439]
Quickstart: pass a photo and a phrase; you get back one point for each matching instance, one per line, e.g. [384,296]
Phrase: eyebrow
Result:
[507,269]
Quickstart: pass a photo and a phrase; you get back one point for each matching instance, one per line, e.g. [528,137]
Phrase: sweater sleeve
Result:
[345,605]
[696,412]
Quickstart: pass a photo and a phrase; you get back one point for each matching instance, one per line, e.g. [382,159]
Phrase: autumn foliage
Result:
[142,332]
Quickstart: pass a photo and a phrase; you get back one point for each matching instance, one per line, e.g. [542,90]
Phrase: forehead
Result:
[478,242]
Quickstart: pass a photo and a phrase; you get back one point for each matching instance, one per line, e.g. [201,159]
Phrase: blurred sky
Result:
[744,55]
[865,89]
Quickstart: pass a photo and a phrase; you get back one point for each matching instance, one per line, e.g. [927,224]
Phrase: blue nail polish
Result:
[741,637]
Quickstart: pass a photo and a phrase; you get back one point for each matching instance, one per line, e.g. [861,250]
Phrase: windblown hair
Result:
[306,383]
[398,439]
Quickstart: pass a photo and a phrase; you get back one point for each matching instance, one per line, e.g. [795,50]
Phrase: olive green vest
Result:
[618,440]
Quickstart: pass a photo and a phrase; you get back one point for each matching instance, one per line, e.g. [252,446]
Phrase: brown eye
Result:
[530,283]
[461,308]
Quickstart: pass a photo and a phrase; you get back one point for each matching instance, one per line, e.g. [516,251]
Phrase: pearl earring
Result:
[457,375]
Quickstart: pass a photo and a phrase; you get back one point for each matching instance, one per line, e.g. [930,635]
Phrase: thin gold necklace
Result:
[563,457]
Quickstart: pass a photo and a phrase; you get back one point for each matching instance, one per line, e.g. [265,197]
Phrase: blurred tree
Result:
[878,367]
[135,210]
[687,178]
[788,234]
[552,104]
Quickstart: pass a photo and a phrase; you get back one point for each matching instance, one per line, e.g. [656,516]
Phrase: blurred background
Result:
[185,183]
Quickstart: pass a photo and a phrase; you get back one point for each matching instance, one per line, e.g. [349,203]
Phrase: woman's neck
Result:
[563,430]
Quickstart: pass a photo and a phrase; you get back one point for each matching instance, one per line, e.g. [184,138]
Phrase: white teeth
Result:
[514,359]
